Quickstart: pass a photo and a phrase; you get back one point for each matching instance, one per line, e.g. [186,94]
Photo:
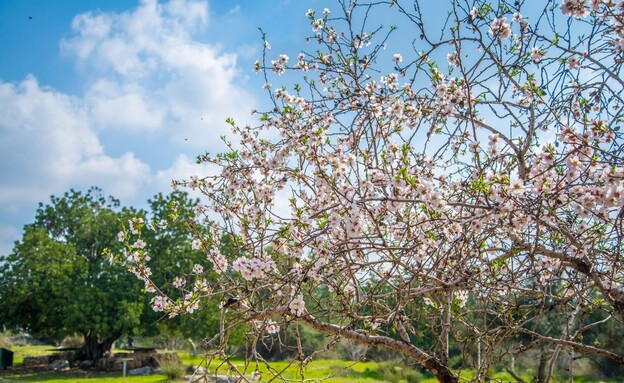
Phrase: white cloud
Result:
[123,106]
[47,146]
[148,78]
[7,235]
[152,74]
[131,43]
[182,169]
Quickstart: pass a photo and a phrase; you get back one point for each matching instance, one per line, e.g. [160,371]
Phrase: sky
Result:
[122,94]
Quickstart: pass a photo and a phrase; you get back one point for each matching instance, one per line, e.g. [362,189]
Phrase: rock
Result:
[25,340]
[140,371]
[223,379]
[36,361]
[157,360]
[58,365]
[210,378]
[198,371]
[86,364]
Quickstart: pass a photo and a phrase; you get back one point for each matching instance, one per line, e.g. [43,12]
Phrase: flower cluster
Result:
[500,28]
[251,268]
[297,306]
[537,55]
[576,8]
[487,187]
[279,65]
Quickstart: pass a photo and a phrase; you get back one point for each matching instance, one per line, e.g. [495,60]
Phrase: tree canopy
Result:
[473,180]
[58,280]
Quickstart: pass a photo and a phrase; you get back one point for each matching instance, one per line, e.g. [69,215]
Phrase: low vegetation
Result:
[330,371]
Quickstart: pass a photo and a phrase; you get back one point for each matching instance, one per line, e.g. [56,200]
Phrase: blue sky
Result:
[124,94]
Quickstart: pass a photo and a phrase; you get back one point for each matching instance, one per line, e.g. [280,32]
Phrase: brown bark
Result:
[94,347]
[542,369]
[439,369]
[434,365]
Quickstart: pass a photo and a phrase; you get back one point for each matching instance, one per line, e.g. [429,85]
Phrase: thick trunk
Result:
[436,366]
[439,369]
[94,348]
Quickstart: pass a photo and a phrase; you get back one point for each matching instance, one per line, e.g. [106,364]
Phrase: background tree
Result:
[483,161]
[170,243]
[57,282]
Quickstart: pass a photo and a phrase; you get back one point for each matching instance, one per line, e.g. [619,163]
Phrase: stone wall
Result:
[154,360]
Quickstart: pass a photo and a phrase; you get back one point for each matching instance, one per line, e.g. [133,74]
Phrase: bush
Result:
[397,371]
[173,370]
[72,341]
[5,341]
[412,376]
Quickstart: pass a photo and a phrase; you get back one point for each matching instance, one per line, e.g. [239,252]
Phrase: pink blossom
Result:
[537,55]
[573,63]
[500,29]
[271,327]
[474,13]
[574,8]
[297,306]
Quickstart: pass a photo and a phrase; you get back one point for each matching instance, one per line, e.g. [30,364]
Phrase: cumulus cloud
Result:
[182,169]
[146,74]
[8,234]
[48,146]
[123,106]
[153,75]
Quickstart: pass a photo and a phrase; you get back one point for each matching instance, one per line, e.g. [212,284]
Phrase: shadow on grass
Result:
[40,375]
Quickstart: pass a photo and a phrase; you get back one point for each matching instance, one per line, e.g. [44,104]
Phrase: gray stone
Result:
[58,365]
[141,371]
[210,378]
[225,379]
[86,364]
[36,361]
[197,371]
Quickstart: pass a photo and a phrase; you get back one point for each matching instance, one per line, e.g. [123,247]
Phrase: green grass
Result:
[80,378]
[19,352]
[334,371]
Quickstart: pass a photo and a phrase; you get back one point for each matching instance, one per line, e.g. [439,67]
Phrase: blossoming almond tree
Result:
[472,181]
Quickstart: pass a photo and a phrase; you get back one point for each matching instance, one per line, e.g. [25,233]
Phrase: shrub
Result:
[173,370]
[397,371]
[5,342]
[72,341]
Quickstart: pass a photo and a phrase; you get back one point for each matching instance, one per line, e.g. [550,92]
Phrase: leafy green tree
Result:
[172,237]
[169,238]
[58,282]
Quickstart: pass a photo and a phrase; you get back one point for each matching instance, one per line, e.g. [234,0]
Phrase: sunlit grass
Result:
[80,378]
[19,352]
[330,371]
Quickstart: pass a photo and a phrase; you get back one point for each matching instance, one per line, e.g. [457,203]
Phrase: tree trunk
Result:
[94,347]
[444,375]
[193,345]
[542,369]
[439,369]
[571,365]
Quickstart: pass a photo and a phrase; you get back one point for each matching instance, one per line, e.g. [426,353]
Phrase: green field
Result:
[331,371]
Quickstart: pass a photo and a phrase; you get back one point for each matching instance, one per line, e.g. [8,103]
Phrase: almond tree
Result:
[472,179]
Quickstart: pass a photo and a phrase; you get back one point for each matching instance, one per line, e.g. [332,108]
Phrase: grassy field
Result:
[330,371]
